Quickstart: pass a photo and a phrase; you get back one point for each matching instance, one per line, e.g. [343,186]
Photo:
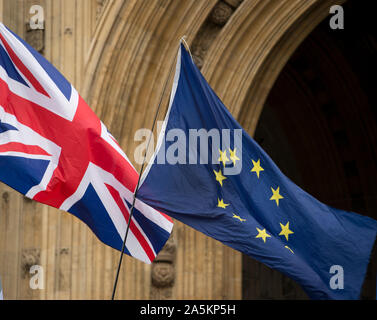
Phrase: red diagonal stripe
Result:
[139,236]
[25,71]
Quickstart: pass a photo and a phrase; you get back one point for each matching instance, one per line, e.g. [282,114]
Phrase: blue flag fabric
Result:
[258,211]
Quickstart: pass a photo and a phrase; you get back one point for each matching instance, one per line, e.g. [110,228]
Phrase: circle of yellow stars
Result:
[257,169]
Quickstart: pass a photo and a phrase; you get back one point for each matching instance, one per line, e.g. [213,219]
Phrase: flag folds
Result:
[55,150]
[241,198]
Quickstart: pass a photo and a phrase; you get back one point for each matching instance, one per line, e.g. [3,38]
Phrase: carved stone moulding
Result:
[100,6]
[163,272]
[5,197]
[29,258]
[216,20]
[35,37]
[221,13]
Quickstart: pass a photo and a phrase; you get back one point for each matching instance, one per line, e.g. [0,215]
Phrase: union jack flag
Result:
[55,150]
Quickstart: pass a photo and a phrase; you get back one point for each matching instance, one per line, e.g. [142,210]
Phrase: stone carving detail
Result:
[6,197]
[218,17]
[198,55]
[30,257]
[100,6]
[64,251]
[221,13]
[35,37]
[203,41]
[68,31]
[163,273]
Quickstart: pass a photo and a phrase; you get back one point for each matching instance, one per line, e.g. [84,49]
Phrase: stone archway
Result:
[241,47]
[319,125]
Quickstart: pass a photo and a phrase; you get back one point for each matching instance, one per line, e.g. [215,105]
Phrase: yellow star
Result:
[285,230]
[262,234]
[257,168]
[276,196]
[219,176]
[223,158]
[221,204]
[233,155]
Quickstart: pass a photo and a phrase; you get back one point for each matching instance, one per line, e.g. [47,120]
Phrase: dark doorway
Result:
[319,125]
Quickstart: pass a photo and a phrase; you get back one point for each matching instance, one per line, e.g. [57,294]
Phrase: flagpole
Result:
[138,181]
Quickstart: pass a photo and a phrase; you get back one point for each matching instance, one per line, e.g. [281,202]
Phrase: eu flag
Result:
[210,174]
